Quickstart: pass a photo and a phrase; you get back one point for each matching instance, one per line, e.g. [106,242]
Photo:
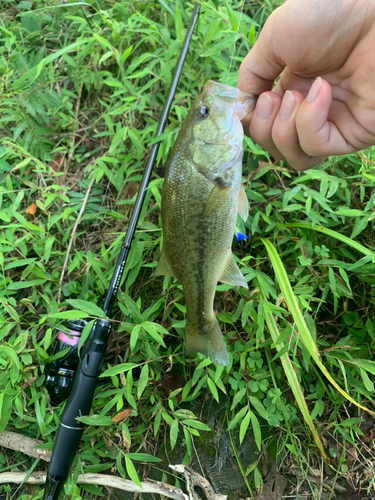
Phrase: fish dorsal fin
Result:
[243,204]
[231,274]
[163,268]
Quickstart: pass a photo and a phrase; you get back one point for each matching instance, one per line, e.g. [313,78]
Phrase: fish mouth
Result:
[241,103]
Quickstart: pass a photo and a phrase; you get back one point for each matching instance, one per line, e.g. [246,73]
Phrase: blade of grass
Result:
[290,434]
[35,71]
[334,234]
[293,379]
[234,448]
[302,328]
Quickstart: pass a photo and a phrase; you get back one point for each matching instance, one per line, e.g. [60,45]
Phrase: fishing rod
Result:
[80,400]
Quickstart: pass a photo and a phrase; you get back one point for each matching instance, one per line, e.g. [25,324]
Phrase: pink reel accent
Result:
[74,340]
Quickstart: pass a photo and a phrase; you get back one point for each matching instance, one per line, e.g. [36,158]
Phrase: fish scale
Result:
[200,202]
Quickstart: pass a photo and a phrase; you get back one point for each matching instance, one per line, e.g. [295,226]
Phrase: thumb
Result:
[261,66]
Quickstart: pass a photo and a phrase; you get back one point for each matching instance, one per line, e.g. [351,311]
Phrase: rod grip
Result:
[66,442]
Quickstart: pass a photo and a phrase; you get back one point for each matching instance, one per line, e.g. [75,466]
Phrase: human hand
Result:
[324,102]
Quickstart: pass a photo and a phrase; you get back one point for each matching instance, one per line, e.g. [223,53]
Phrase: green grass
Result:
[81,90]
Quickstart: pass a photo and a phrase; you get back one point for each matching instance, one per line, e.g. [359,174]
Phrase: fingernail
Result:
[265,106]
[314,90]
[287,106]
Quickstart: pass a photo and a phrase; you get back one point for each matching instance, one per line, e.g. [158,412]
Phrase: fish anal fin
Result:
[163,268]
[232,275]
[243,204]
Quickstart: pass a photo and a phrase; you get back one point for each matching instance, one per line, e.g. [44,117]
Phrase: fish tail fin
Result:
[208,340]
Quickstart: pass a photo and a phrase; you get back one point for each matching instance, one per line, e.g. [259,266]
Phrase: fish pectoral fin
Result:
[163,268]
[243,204]
[232,275]
[215,200]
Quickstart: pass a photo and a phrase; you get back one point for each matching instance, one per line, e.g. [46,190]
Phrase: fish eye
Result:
[204,111]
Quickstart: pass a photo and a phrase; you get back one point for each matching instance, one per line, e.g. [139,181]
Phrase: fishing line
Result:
[96,223]
[235,41]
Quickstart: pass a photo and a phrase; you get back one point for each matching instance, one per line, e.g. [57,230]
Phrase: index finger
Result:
[261,66]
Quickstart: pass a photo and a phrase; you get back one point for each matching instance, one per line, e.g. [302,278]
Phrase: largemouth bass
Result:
[201,197]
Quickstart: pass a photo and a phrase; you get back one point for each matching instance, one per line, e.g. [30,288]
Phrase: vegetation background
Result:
[81,90]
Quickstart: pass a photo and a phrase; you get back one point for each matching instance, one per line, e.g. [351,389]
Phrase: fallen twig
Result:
[26,445]
[19,442]
[72,237]
[194,479]
[106,480]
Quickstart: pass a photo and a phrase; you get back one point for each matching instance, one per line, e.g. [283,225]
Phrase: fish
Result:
[201,197]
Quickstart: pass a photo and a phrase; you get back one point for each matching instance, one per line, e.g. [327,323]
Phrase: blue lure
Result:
[240,236]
